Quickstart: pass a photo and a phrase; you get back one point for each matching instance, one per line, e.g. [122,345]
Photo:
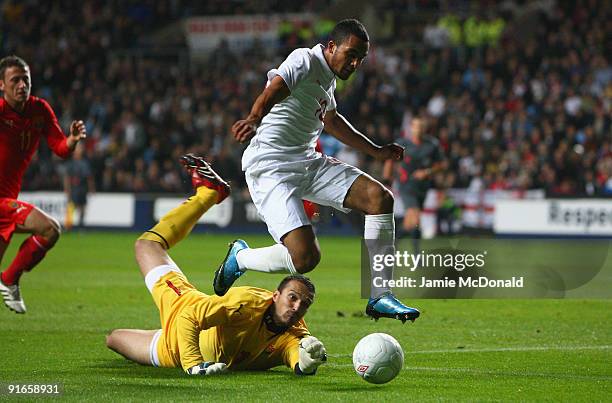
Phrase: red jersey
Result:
[20,135]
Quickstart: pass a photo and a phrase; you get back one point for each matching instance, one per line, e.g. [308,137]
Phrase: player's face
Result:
[347,56]
[291,304]
[16,85]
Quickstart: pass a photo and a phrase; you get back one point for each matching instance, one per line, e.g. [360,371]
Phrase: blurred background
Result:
[518,93]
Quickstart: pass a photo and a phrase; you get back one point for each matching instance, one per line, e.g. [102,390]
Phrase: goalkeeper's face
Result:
[291,303]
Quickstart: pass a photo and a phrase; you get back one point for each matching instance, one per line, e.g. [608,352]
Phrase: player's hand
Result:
[77,133]
[77,130]
[312,354]
[244,130]
[391,151]
[207,368]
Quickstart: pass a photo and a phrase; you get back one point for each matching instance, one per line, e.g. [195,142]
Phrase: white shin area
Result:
[379,227]
[271,259]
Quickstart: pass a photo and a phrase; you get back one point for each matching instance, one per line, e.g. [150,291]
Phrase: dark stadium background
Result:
[518,93]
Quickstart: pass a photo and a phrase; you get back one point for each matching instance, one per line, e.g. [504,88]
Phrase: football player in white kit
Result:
[282,167]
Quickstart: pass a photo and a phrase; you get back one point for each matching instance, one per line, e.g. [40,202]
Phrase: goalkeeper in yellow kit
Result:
[246,329]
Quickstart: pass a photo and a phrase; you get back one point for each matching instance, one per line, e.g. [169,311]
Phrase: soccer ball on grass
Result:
[378,358]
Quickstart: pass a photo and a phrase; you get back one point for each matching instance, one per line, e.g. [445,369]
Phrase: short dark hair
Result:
[346,28]
[297,277]
[12,61]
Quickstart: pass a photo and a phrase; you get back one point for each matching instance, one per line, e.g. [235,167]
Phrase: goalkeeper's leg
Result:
[152,245]
[133,344]
[153,259]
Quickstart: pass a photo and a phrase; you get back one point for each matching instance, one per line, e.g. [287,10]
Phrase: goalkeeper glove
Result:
[312,354]
[207,368]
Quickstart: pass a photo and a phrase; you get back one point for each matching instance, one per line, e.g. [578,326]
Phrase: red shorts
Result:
[12,213]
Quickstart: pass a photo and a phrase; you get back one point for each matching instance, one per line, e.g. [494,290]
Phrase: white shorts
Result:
[153,356]
[278,188]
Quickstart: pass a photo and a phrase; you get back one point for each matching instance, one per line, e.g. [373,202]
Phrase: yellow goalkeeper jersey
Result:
[236,329]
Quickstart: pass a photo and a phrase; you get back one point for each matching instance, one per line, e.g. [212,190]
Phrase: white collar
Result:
[327,71]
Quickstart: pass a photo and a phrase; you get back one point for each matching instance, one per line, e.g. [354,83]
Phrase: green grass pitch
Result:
[469,350]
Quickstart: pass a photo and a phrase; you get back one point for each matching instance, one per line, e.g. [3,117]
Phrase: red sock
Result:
[31,251]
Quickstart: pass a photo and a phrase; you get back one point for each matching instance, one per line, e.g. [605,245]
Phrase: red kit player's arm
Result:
[55,135]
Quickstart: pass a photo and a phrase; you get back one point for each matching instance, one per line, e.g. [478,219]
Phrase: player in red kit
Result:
[24,119]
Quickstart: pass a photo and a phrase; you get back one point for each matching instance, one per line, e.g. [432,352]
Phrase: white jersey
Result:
[289,132]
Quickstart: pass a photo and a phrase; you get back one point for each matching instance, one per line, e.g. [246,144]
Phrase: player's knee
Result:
[140,247]
[51,231]
[380,200]
[306,261]
[111,340]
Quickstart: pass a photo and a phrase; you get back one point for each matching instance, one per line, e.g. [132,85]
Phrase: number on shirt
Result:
[26,138]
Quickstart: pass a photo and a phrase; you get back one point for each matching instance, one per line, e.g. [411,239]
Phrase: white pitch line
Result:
[498,349]
[520,348]
[504,372]
[500,372]
[494,372]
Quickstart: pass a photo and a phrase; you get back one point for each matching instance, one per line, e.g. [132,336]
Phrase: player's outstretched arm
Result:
[340,128]
[312,355]
[244,130]
[61,145]
[207,312]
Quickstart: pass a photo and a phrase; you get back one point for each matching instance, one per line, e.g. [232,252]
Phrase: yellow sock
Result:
[179,221]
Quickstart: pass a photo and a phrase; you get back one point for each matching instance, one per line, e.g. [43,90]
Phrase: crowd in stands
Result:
[529,109]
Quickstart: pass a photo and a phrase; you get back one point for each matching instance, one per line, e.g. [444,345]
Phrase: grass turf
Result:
[458,350]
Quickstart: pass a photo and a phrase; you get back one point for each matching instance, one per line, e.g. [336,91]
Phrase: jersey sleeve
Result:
[290,350]
[55,136]
[293,69]
[290,344]
[206,313]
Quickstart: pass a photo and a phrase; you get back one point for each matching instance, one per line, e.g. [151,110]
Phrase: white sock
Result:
[272,259]
[379,227]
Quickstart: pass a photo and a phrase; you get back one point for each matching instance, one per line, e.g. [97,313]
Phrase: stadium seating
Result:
[530,110]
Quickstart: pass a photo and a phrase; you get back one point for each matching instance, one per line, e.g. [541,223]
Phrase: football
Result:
[378,358]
